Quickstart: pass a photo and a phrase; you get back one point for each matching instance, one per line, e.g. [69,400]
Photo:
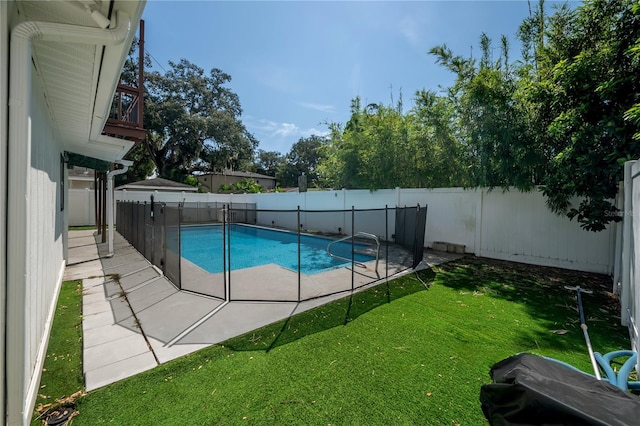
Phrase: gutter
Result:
[20,370]
[110,175]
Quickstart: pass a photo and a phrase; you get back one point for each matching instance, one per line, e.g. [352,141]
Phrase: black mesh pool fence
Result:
[238,252]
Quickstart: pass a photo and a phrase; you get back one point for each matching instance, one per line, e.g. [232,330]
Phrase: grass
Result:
[395,354]
[62,371]
[82,228]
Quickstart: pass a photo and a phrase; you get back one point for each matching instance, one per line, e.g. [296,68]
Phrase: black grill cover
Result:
[531,390]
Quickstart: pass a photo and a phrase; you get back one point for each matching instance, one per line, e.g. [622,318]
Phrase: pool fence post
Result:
[353,233]
[386,242]
[180,207]
[415,237]
[298,228]
[228,247]
[224,253]
[163,210]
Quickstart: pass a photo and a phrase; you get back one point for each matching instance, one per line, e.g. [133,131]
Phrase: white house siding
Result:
[44,265]
[5,12]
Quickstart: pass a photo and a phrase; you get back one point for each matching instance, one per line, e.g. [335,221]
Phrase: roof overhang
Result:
[79,80]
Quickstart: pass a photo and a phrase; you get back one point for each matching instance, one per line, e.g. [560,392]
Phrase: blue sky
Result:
[296,65]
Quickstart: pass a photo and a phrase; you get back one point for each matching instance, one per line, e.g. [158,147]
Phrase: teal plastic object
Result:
[621,380]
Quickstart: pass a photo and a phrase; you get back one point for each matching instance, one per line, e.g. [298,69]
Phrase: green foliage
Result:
[268,162]
[192,121]
[382,147]
[303,158]
[594,81]
[491,124]
[246,185]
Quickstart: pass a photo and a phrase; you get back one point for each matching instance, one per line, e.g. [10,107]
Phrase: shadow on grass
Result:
[542,293]
[334,314]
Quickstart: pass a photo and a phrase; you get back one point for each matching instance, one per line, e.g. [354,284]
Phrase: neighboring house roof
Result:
[239,174]
[79,78]
[157,184]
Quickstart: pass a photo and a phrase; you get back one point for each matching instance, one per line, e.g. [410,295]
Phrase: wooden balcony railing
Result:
[126,120]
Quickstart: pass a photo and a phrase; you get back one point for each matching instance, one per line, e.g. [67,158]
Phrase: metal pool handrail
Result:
[357,234]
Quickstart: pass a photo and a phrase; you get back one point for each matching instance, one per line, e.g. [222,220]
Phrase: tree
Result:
[268,162]
[557,118]
[439,156]
[592,75]
[142,166]
[192,122]
[382,147]
[491,123]
[372,151]
[303,158]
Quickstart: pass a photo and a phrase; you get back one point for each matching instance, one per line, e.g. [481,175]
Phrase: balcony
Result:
[127,111]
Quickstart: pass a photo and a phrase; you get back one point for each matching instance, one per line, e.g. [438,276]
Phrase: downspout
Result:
[110,175]
[20,400]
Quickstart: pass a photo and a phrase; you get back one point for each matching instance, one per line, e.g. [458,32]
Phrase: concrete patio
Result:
[134,318]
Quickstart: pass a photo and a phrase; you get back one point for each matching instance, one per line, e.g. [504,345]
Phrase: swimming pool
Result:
[253,246]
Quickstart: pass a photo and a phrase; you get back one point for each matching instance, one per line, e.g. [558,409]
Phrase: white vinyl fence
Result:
[501,225]
[82,207]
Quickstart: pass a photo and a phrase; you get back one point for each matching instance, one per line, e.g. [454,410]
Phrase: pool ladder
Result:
[357,234]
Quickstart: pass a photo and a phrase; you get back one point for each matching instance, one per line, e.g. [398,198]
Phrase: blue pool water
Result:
[251,246]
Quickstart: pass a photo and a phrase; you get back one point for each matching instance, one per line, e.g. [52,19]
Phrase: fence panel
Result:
[236,260]
[159,237]
[172,244]
[202,258]
[148,232]
[519,227]
[82,210]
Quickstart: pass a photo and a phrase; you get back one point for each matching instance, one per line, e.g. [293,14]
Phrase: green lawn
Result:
[81,228]
[62,371]
[395,354]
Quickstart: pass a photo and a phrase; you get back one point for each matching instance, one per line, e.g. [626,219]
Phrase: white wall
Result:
[82,207]
[496,224]
[32,298]
[5,12]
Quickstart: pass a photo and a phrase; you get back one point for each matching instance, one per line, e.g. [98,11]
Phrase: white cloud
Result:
[279,136]
[318,107]
[410,29]
[286,129]
[313,131]
[263,127]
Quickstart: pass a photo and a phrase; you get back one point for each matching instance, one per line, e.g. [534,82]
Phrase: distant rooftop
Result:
[239,174]
[157,184]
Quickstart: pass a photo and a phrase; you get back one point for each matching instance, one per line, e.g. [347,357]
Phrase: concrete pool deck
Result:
[134,318]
